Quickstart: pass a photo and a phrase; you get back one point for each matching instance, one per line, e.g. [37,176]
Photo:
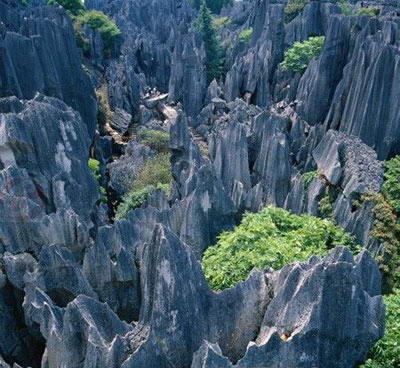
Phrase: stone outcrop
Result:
[39,54]
[80,289]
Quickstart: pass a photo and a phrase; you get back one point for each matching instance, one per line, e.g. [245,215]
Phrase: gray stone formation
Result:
[79,289]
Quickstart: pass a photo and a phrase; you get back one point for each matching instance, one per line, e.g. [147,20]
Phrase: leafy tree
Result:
[273,237]
[75,7]
[386,353]
[245,35]
[214,59]
[157,140]
[97,20]
[136,198]
[300,54]
[293,8]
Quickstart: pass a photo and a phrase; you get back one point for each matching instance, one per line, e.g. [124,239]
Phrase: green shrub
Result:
[370,12]
[99,21]
[104,112]
[308,177]
[273,237]
[155,171]
[157,140]
[386,353]
[293,8]
[94,166]
[221,22]
[74,7]
[386,227]
[245,35]
[214,5]
[300,54]
[391,186]
[325,206]
[135,199]
[345,7]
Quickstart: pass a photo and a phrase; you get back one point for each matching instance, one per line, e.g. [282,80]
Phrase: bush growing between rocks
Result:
[370,12]
[308,177]
[155,174]
[94,166]
[157,140]
[95,19]
[135,199]
[391,186]
[104,112]
[300,54]
[345,7]
[293,8]
[273,237]
[214,5]
[386,352]
[74,7]
[386,228]
[156,170]
[245,35]
[221,22]
[99,21]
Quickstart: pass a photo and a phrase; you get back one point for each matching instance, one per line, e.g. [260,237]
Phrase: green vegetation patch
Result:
[245,35]
[308,177]
[214,5]
[391,186]
[94,166]
[300,54]
[221,22]
[273,237]
[386,353]
[99,21]
[157,140]
[95,19]
[136,198]
[214,52]
[386,228]
[155,174]
[345,7]
[74,7]
[293,8]
[370,12]
[104,112]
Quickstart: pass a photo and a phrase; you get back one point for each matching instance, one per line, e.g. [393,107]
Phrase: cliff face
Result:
[78,289]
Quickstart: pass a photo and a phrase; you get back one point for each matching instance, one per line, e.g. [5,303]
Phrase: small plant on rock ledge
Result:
[245,35]
[99,21]
[300,54]
[293,8]
[155,174]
